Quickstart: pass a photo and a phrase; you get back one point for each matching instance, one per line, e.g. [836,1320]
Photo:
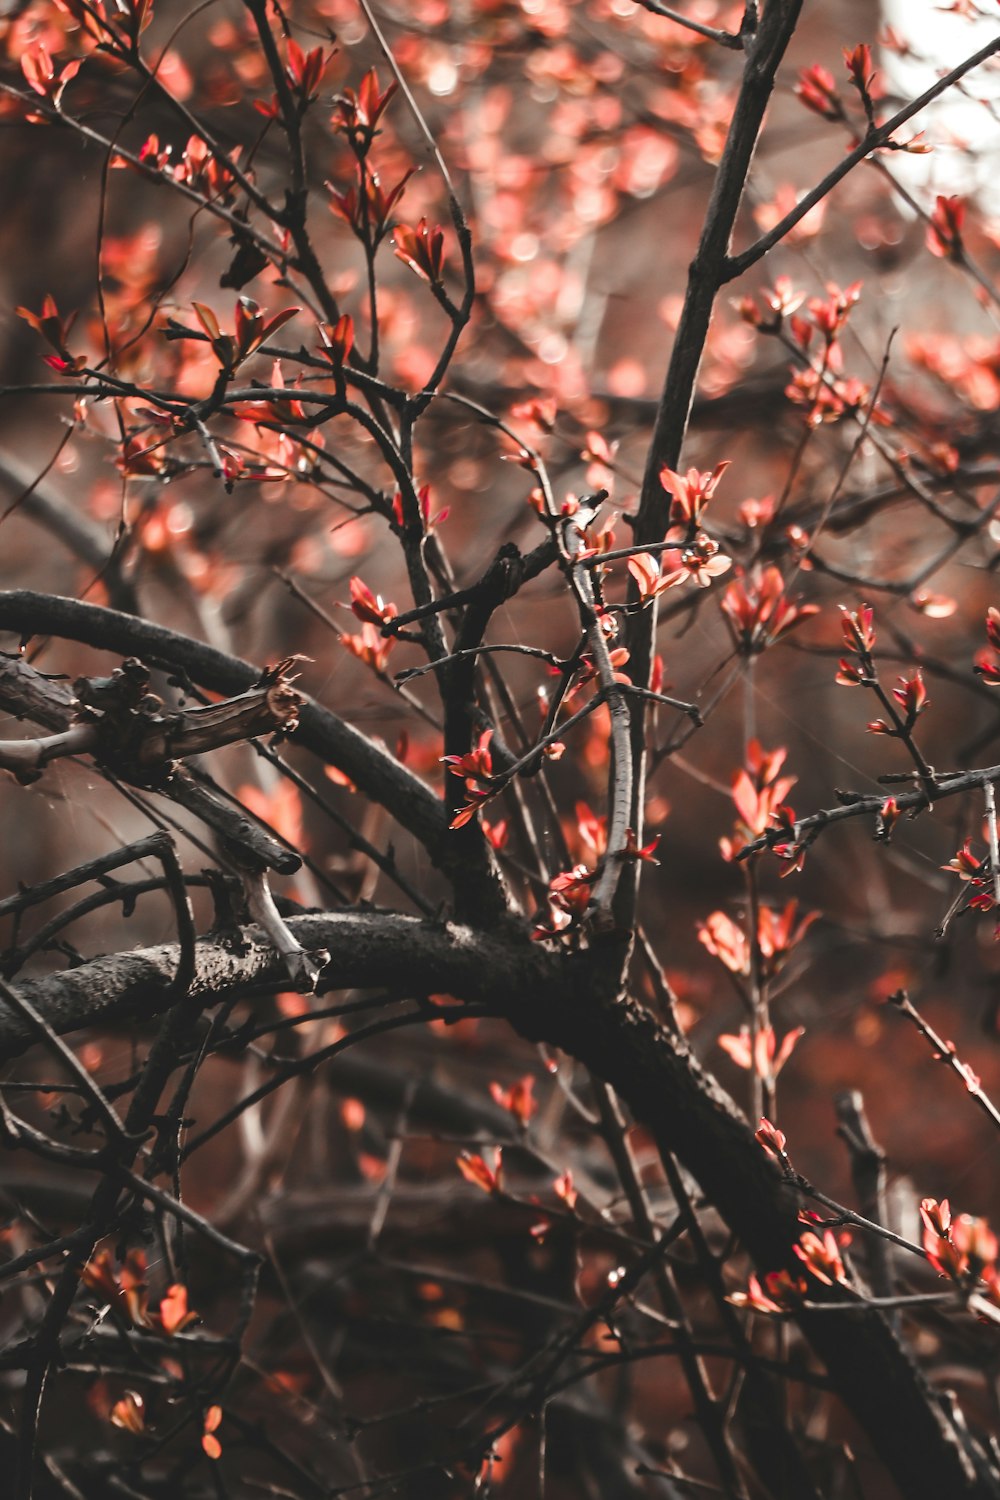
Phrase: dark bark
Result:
[551,999]
[375,772]
[370,949]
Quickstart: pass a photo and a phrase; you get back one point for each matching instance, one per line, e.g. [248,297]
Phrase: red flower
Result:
[691,491]
[586,670]
[251,330]
[704,561]
[477,763]
[55,331]
[173,1312]
[370,647]
[754,513]
[280,409]
[783,299]
[758,610]
[782,1293]
[568,900]
[477,800]
[474,1169]
[592,828]
[496,833]
[912,698]
[848,675]
[963,1248]
[821,1256]
[937,1216]
[771,1138]
[368,606]
[337,340]
[966,865]
[888,817]
[726,942]
[858,62]
[126,1290]
[359,113]
[428,520]
[519,1100]
[209,1442]
[422,249]
[42,75]
[570,889]
[975,1242]
[778,934]
[646,853]
[792,852]
[758,803]
[367,205]
[200,170]
[829,314]
[650,581]
[858,627]
[944,231]
[759,792]
[541,413]
[129,1413]
[761,1053]
[818,92]
[304,70]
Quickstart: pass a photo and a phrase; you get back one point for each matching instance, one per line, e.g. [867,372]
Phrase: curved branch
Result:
[373,949]
[556,999]
[553,999]
[375,772]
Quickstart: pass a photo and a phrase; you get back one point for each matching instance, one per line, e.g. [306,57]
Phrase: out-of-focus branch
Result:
[869,1177]
[87,541]
[880,136]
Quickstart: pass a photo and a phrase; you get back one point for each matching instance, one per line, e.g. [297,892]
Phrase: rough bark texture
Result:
[370,949]
[552,1000]
[375,772]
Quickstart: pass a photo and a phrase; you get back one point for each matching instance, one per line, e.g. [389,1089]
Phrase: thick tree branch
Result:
[375,772]
[550,998]
[373,949]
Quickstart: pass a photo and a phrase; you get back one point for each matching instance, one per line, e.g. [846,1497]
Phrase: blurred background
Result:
[583,138]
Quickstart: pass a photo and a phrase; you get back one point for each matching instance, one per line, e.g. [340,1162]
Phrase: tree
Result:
[366,336]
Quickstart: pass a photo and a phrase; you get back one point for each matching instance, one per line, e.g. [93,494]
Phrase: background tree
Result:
[449,710]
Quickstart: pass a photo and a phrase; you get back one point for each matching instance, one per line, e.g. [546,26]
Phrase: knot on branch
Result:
[136,735]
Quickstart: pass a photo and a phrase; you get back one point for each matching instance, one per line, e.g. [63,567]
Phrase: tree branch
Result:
[375,772]
[551,998]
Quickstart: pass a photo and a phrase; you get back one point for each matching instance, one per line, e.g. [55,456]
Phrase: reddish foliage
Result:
[504,887]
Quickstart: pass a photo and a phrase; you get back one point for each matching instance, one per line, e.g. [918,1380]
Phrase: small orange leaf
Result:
[474,1169]
[129,1413]
[209,1442]
[174,1312]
